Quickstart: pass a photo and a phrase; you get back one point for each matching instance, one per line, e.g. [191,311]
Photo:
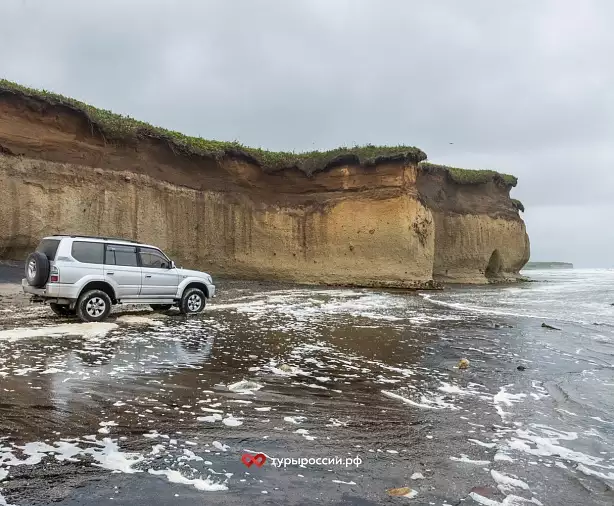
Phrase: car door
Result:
[122,269]
[158,280]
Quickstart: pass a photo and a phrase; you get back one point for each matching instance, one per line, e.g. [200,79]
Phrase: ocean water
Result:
[566,295]
[563,408]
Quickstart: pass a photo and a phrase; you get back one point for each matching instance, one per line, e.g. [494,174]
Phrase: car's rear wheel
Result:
[161,307]
[193,301]
[37,269]
[93,306]
[62,309]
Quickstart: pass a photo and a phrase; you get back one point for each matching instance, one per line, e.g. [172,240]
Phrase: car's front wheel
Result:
[193,301]
[62,309]
[93,306]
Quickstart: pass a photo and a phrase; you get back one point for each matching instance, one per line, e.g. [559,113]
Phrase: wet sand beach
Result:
[155,408]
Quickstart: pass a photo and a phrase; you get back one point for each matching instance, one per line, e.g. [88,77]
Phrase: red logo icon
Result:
[259,459]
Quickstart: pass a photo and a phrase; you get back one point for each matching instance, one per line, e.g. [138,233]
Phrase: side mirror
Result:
[172,266]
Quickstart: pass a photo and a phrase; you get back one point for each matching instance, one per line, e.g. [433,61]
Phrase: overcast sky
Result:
[524,87]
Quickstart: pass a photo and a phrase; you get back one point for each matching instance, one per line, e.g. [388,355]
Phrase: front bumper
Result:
[211,288]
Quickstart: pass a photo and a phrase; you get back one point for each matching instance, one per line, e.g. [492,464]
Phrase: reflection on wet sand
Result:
[172,360]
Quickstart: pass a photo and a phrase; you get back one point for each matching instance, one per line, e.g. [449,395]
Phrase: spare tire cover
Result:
[37,269]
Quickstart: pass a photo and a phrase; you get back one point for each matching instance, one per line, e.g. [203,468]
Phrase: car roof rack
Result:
[104,238]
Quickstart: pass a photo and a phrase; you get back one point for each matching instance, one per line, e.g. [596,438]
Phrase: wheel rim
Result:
[95,306]
[194,302]
[31,269]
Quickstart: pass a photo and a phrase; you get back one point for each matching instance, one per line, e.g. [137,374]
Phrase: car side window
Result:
[49,247]
[117,254]
[88,252]
[153,258]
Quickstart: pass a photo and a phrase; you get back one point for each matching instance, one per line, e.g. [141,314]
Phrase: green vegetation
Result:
[466,176]
[117,127]
[518,205]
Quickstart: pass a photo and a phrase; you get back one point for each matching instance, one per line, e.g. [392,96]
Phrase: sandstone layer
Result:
[392,222]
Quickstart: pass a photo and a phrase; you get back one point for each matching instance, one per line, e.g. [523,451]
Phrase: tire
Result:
[189,301]
[93,306]
[37,269]
[161,307]
[62,309]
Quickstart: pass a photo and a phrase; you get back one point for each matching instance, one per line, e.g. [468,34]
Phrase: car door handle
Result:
[148,275]
[110,273]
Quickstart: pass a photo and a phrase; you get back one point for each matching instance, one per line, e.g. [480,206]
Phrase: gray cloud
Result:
[525,87]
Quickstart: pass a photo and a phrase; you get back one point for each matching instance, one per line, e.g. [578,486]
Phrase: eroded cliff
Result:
[367,216]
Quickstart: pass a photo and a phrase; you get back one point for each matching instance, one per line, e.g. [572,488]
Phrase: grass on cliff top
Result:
[117,127]
[466,176]
[518,205]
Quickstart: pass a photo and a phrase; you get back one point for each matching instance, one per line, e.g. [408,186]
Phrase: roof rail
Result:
[97,237]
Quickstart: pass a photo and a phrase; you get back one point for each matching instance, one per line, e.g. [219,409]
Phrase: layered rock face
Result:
[479,235]
[390,223]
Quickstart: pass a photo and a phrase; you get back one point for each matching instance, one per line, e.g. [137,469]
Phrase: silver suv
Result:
[85,275]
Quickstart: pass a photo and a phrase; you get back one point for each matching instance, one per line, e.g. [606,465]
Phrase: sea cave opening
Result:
[493,269]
